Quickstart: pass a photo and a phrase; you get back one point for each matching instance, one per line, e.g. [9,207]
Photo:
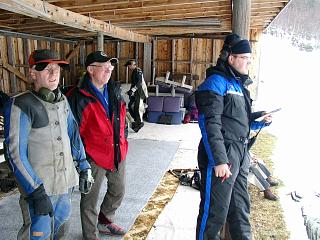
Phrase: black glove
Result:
[85,181]
[129,92]
[41,202]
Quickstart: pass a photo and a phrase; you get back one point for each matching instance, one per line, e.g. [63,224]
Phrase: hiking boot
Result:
[269,195]
[272,182]
[110,229]
[105,226]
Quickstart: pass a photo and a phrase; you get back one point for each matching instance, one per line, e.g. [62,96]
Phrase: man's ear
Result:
[32,74]
[230,59]
[89,69]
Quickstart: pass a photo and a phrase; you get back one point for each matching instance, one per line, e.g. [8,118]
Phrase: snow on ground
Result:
[289,79]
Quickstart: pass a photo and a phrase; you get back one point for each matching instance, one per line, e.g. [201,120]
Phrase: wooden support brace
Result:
[16,72]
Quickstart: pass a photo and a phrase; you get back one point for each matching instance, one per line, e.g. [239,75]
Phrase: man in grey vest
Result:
[43,147]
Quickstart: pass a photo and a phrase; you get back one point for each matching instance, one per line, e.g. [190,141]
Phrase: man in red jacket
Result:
[100,111]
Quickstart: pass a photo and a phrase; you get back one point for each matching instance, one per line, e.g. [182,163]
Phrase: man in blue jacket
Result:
[225,119]
[43,146]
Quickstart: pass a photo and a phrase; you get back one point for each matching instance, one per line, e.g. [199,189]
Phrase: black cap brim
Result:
[41,66]
[94,57]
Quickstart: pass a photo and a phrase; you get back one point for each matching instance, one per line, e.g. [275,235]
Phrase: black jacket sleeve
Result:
[256,115]
[210,106]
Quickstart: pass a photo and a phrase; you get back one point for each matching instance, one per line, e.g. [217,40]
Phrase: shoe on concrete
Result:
[110,229]
[137,126]
[269,195]
[272,182]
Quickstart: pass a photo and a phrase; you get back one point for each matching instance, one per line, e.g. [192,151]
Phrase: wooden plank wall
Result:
[190,56]
[15,51]
[187,56]
[123,51]
[163,57]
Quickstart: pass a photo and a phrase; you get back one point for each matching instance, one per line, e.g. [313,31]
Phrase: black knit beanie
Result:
[234,44]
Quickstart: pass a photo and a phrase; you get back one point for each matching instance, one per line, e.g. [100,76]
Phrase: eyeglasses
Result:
[111,67]
[52,70]
[247,58]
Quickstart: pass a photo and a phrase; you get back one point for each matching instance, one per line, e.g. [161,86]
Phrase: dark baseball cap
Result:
[41,58]
[99,56]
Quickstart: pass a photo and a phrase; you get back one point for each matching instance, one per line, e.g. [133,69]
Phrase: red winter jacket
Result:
[104,138]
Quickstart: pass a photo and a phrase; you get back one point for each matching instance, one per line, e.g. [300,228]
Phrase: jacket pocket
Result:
[237,106]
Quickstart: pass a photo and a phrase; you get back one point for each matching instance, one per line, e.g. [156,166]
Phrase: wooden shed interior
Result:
[180,36]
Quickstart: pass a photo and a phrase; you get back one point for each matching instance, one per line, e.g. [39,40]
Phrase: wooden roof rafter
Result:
[138,4]
[51,13]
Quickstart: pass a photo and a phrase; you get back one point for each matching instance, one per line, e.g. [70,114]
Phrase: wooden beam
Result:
[178,30]
[16,72]
[174,14]
[124,21]
[126,10]
[89,5]
[30,36]
[48,12]
[201,13]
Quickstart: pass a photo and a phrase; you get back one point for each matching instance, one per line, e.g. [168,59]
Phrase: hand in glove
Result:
[41,202]
[130,92]
[85,181]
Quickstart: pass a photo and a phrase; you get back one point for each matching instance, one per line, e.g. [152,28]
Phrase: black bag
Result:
[190,178]
[197,179]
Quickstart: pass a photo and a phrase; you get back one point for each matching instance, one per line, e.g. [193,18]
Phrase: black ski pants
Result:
[226,201]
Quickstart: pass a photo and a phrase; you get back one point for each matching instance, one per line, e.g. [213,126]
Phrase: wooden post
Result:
[191,62]
[241,17]
[100,41]
[173,53]
[154,58]
[26,51]
[136,53]
[83,55]
[11,61]
[118,65]
[63,74]
[147,62]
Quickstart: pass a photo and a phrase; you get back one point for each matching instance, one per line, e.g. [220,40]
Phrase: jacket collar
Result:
[224,69]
